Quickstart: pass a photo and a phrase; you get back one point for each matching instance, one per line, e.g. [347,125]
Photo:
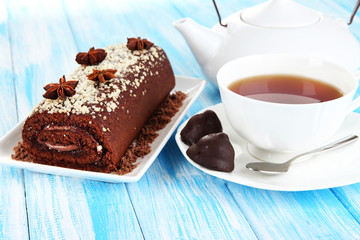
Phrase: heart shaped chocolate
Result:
[213,151]
[200,125]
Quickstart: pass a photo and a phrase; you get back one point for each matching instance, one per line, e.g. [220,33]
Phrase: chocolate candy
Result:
[213,151]
[200,125]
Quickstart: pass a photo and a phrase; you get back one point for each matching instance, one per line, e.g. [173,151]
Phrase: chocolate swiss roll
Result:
[89,119]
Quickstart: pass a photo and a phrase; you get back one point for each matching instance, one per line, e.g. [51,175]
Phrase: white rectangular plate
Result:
[191,86]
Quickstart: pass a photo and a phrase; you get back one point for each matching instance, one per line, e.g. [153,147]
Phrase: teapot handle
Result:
[354,12]
[218,13]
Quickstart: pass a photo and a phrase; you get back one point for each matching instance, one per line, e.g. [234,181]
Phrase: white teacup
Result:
[277,127]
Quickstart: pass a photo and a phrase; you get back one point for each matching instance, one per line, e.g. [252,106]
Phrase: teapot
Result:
[275,26]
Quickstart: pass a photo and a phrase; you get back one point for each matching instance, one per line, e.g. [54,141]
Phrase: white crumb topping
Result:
[90,95]
[99,148]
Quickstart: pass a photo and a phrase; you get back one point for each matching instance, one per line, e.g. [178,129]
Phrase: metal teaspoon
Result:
[284,167]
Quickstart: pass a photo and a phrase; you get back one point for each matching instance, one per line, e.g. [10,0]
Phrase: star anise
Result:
[92,57]
[102,75]
[138,44]
[60,90]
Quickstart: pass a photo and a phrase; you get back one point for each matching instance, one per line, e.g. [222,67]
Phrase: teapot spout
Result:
[203,42]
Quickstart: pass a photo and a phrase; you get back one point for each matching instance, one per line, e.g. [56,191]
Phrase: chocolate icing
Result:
[213,151]
[200,125]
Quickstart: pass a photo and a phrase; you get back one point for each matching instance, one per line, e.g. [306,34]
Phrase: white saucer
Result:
[191,86]
[334,168]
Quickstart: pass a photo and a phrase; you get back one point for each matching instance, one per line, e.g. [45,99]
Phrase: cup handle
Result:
[356,102]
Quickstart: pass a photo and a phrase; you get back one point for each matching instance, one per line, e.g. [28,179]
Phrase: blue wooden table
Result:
[173,200]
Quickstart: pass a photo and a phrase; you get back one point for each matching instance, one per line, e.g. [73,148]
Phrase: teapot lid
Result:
[280,14]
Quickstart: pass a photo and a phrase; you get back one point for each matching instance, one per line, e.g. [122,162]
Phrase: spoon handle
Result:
[336,144]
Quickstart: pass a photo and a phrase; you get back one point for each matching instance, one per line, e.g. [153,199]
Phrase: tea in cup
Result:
[286,103]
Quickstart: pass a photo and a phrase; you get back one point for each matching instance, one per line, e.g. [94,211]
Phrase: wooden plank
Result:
[60,207]
[42,48]
[349,196]
[295,215]
[13,219]
[112,211]
[57,208]
[8,97]
[176,201]
[69,208]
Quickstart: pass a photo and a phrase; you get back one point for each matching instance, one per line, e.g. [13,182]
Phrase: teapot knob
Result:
[280,14]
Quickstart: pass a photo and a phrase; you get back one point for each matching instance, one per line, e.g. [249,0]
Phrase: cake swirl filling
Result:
[70,140]
[61,148]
